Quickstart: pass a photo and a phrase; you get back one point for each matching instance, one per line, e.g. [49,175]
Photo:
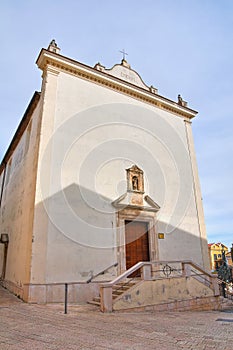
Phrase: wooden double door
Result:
[137,243]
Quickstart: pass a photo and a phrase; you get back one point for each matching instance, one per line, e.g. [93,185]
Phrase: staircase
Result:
[162,285]
[117,290]
[226,304]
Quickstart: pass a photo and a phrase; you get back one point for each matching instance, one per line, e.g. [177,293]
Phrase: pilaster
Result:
[41,218]
[198,196]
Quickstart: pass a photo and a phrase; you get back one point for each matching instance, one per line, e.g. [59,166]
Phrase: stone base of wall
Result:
[53,293]
[197,304]
[13,288]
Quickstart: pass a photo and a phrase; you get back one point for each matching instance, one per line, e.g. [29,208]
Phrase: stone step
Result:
[129,281]
[226,300]
[92,302]
[97,299]
[117,292]
[122,287]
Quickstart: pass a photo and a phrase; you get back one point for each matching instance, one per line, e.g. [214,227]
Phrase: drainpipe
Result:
[3,183]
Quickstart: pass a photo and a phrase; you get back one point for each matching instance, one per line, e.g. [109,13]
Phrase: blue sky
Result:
[176,45]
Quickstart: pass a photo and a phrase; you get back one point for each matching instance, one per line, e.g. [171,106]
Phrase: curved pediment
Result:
[124,72]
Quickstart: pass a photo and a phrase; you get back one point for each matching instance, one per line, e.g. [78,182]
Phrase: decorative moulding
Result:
[100,75]
[125,201]
[124,72]
[134,197]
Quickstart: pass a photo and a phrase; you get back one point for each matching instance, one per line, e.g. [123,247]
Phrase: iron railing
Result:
[153,271]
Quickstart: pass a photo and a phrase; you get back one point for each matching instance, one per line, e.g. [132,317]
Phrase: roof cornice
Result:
[47,58]
[21,128]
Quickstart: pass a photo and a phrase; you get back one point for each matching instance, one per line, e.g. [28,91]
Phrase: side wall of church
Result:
[17,207]
[90,134]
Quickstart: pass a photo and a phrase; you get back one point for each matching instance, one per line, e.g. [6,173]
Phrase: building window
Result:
[215,257]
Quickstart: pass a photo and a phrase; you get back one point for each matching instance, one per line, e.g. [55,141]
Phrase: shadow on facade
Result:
[79,236]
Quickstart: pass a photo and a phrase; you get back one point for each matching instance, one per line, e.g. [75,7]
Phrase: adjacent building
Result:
[216,254]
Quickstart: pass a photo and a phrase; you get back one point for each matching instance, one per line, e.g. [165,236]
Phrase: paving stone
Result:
[46,327]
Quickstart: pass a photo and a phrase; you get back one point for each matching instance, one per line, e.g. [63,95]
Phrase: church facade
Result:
[101,174]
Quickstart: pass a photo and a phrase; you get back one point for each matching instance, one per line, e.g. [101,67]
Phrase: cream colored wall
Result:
[41,222]
[90,134]
[198,197]
[162,291]
[18,206]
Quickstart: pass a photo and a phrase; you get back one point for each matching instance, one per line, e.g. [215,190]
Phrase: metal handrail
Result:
[101,272]
[190,262]
[143,263]
[127,282]
[106,289]
[126,274]
[202,276]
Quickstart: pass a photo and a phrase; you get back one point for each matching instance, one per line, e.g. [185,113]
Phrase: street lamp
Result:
[4,238]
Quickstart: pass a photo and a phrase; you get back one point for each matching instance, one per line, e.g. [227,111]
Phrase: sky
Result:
[179,46]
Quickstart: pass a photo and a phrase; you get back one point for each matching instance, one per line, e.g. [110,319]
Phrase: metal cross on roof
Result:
[124,53]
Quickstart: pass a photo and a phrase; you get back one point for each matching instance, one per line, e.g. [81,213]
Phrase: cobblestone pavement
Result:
[25,326]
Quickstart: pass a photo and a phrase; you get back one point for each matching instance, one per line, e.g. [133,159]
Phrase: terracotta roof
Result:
[217,244]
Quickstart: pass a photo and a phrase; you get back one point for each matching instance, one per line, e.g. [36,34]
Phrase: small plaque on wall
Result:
[161,235]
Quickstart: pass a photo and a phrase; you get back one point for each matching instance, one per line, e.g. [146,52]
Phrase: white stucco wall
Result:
[17,205]
[90,134]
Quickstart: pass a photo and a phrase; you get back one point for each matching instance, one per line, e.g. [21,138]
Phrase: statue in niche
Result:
[135,183]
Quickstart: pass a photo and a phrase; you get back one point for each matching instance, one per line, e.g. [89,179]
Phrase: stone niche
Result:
[135,197]
[135,185]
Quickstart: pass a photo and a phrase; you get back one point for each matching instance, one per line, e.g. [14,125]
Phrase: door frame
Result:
[129,214]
